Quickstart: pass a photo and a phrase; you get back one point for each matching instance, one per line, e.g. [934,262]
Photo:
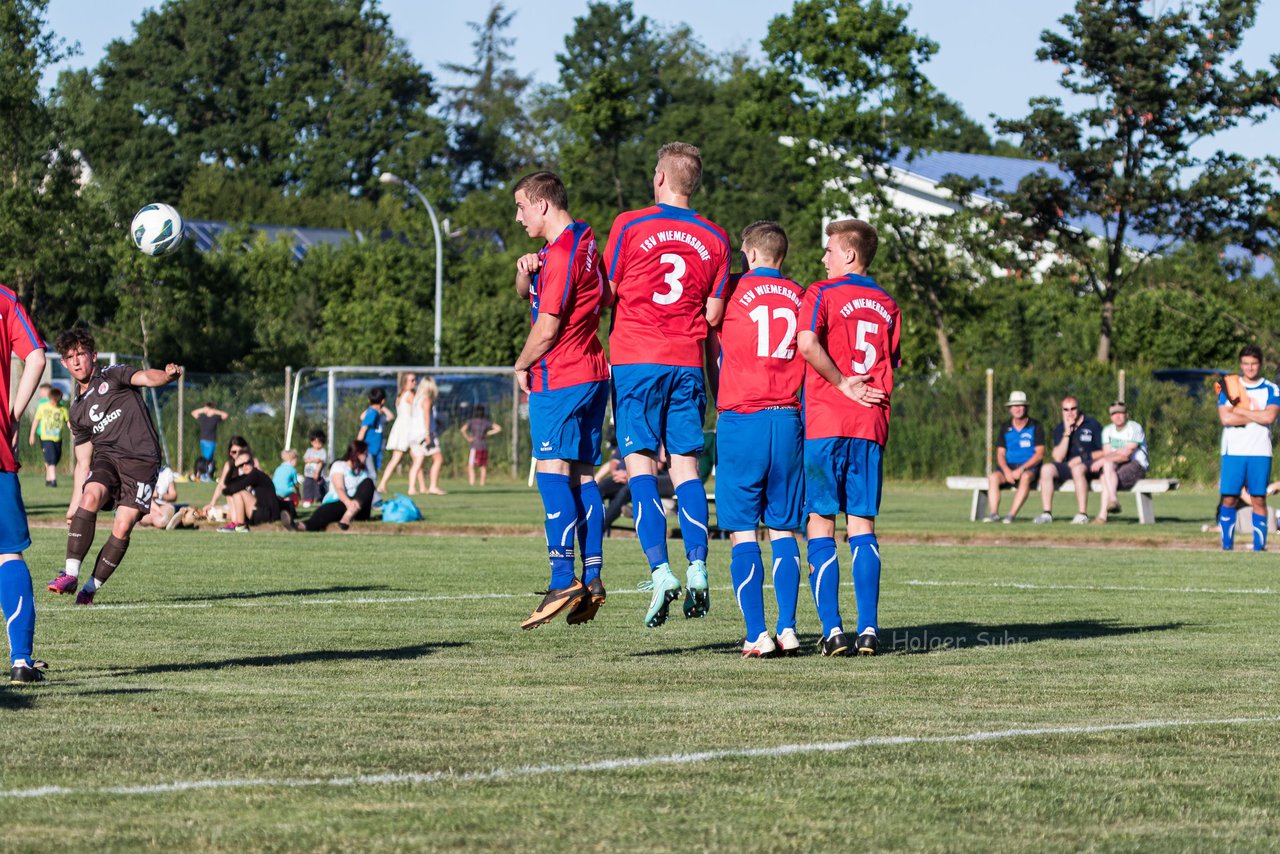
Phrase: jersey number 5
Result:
[866,348]
[672,279]
[760,314]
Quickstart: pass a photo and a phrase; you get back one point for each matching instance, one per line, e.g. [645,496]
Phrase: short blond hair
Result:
[857,235]
[767,238]
[682,164]
[289,455]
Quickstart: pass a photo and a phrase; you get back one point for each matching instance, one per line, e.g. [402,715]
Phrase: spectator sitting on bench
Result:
[1123,460]
[1018,456]
[1075,440]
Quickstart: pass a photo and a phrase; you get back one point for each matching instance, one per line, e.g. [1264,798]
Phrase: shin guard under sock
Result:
[866,579]
[1259,532]
[79,538]
[561,523]
[651,519]
[1227,524]
[590,509]
[691,498]
[108,559]
[786,580]
[747,569]
[824,582]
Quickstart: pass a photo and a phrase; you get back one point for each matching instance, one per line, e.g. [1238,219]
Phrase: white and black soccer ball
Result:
[157,229]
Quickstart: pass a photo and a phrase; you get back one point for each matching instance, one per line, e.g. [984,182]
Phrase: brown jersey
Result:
[111,414]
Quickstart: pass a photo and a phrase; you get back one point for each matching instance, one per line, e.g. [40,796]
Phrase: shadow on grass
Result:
[400,653]
[301,591]
[16,699]
[942,637]
[108,692]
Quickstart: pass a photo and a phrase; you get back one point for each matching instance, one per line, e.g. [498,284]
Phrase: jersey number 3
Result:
[672,279]
[760,314]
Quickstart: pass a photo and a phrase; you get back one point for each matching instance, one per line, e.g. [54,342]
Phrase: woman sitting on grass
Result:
[350,492]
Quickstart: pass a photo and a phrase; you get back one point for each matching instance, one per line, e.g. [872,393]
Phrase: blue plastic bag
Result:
[400,509]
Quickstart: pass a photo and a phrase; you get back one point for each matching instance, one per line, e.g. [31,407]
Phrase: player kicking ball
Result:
[117,456]
[760,436]
[849,337]
[563,369]
[668,267]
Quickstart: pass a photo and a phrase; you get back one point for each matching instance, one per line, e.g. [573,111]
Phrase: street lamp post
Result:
[390,178]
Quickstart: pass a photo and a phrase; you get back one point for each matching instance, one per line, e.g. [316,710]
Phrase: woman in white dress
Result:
[398,441]
[424,440]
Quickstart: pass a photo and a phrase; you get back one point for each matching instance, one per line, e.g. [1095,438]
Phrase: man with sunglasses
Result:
[1075,440]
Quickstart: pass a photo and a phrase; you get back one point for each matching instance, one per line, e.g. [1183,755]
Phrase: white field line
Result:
[1024,585]
[623,764]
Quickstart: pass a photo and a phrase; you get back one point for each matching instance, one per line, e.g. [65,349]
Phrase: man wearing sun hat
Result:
[1123,460]
[1019,452]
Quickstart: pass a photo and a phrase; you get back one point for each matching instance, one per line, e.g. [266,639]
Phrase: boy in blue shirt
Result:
[371,424]
[285,477]
[1019,452]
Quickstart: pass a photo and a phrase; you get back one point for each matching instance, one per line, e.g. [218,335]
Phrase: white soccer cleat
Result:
[788,643]
[761,647]
[1080,519]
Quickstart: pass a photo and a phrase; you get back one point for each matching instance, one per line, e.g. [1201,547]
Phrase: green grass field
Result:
[1097,688]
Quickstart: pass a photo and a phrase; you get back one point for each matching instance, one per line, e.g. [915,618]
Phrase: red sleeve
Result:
[811,314]
[614,263]
[720,276]
[554,279]
[22,334]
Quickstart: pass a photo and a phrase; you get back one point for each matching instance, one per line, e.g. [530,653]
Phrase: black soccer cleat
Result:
[836,644]
[867,643]
[27,675]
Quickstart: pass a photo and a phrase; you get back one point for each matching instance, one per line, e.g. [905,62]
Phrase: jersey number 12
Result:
[760,314]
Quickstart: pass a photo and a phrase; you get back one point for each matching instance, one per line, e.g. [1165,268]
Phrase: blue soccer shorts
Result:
[568,423]
[1252,473]
[841,473]
[760,475]
[14,536]
[659,405]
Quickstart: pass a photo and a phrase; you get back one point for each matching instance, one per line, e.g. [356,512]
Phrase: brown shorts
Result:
[1130,473]
[130,483]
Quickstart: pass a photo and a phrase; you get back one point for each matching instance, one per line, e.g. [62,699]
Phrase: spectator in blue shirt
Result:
[371,424]
[285,477]
[1019,452]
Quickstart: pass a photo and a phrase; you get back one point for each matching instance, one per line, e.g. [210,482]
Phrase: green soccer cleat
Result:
[697,598]
[666,589]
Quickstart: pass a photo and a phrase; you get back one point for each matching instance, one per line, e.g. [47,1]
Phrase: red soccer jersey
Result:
[665,261]
[20,339]
[858,324]
[759,367]
[570,283]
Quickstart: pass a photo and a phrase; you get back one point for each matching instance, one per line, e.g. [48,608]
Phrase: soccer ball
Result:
[157,229]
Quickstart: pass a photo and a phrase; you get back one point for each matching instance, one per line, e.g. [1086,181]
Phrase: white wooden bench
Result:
[1142,491]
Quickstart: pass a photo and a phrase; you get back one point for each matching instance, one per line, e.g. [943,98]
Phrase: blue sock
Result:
[691,497]
[1227,522]
[1259,532]
[786,580]
[824,582]
[590,510]
[866,579]
[747,569]
[651,521]
[18,601]
[561,521]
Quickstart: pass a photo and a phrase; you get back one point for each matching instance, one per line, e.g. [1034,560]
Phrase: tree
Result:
[303,96]
[1129,183]
[489,127]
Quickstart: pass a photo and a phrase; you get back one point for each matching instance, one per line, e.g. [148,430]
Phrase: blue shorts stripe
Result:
[1237,473]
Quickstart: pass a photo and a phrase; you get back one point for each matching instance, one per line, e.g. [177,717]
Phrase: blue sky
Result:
[986,57]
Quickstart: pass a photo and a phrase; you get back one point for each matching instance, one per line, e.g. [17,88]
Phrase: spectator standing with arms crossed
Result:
[849,323]
[563,369]
[1018,458]
[17,597]
[209,419]
[1075,440]
[1247,407]
[761,437]
[668,267]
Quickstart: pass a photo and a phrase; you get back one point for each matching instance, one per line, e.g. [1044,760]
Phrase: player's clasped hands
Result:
[859,390]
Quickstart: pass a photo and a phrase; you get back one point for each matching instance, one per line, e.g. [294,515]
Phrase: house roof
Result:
[1006,172]
[205,234]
